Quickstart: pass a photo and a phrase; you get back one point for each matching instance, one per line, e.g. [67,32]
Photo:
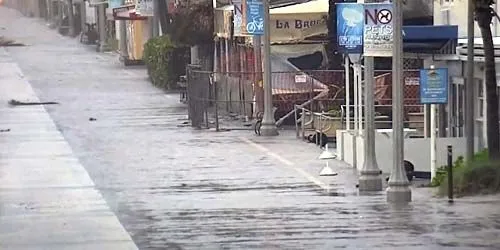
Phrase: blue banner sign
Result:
[434,86]
[254,17]
[350,27]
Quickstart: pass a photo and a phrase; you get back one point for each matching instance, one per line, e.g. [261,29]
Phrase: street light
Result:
[268,122]
[370,178]
[398,190]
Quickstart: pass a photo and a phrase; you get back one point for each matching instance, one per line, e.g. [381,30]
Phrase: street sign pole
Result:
[347,68]
[370,179]
[398,190]
[433,141]
[268,122]
[433,92]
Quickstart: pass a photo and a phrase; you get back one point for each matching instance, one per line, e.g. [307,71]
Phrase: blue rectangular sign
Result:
[350,27]
[434,86]
[255,17]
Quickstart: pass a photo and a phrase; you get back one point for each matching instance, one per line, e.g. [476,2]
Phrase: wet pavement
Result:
[173,187]
[47,199]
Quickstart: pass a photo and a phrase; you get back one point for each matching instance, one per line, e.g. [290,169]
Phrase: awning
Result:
[317,6]
[439,39]
[127,12]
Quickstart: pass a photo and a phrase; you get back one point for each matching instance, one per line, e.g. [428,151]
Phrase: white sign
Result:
[93,3]
[144,8]
[300,78]
[412,80]
[286,28]
[378,34]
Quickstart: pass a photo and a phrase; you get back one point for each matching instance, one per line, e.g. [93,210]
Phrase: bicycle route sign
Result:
[254,17]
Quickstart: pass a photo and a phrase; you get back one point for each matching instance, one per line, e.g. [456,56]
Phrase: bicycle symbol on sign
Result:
[256,25]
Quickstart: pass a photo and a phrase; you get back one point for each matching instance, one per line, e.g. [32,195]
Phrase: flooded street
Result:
[173,187]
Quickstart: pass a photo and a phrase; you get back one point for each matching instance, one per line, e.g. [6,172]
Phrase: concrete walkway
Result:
[176,188]
[47,199]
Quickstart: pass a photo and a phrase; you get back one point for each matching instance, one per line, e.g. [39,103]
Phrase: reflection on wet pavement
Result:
[177,188]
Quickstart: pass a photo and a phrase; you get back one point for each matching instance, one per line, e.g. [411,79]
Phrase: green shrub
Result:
[160,53]
[476,177]
[442,172]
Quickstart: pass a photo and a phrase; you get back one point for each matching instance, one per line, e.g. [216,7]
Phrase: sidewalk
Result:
[47,199]
[177,188]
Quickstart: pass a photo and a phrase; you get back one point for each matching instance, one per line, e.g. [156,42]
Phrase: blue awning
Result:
[430,39]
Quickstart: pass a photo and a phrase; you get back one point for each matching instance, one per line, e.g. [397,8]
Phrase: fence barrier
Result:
[219,99]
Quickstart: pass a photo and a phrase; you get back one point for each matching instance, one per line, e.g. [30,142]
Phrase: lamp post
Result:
[370,179]
[268,122]
[103,45]
[123,38]
[71,19]
[398,190]
[155,20]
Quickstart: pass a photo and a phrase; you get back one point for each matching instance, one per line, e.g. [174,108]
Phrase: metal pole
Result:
[356,123]
[370,179]
[268,122]
[83,13]
[433,141]
[49,10]
[259,91]
[398,190]
[356,116]
[59,14]
[360,99]
[71,19]
[297,135]
[469,84]
[103,46]
[123,40]
[155,19]
[450,174]
[216,96]
[347,68]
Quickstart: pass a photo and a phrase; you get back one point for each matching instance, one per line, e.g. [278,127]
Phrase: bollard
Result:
[450,174]
[297,133]
[216,95]
[302,124]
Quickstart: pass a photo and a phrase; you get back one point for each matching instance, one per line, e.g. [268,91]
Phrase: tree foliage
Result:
[193,24]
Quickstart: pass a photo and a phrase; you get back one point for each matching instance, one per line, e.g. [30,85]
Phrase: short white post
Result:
[433,141]
[356,115]
[347,94]
[360,98]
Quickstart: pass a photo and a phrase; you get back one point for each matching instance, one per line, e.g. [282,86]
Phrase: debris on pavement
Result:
[5,42]
[19,103]
[92,119]
[4,130]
